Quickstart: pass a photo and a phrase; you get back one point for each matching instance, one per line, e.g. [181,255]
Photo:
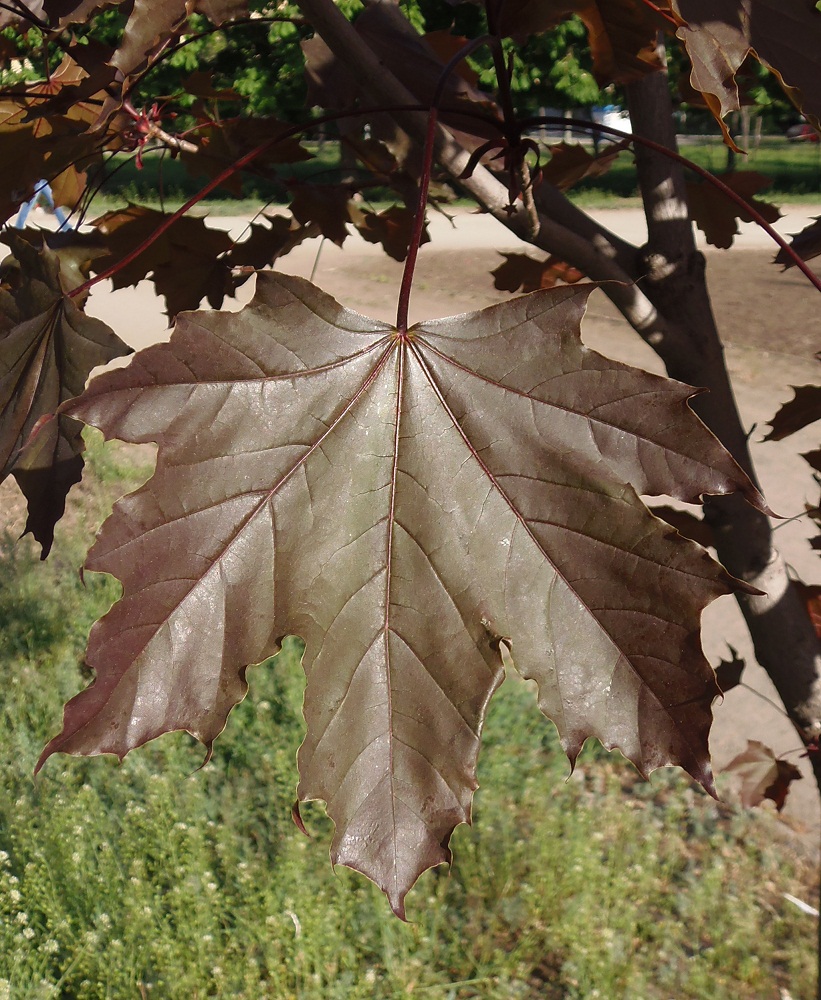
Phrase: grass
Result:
[156,879]
[166,181]
[795,169]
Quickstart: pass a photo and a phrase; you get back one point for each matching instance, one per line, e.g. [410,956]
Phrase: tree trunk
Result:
[783,637]
[670,308]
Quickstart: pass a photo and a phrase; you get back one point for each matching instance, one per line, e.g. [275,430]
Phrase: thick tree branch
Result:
[554,204]
[576,239]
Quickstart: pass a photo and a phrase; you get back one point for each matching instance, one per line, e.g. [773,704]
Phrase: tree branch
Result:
[592,249]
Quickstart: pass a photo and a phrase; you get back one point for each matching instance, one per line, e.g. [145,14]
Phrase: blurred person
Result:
[42,193]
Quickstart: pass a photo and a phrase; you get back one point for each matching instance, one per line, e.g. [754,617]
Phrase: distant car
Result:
[802,132]
[612,116]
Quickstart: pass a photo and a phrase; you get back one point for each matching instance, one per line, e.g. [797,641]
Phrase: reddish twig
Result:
[661,13]
[424,183]
[418,226]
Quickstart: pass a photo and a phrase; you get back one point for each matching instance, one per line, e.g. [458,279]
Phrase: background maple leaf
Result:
[49,347]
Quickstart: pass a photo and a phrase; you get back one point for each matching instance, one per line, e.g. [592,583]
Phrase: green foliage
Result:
[554,69]
[261,61]
[795,169]
[162,176]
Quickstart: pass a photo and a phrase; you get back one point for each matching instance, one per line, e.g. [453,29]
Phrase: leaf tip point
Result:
[41,760]
[209,753]
[299,823]
[397,905]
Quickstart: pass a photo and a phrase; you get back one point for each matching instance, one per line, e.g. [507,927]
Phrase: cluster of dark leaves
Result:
[49,348]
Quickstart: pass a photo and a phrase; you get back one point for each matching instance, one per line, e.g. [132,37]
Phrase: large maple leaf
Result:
[407,503]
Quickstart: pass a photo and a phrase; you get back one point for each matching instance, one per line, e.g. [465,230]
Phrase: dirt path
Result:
[770,322]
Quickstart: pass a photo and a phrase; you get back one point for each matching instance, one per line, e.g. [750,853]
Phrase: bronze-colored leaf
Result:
[152,22]
[75,88]
[149,25]
[763,775]
[622,33]
[716,216]
[48,347]
[746,83]
[392,228]
[801,411]
[44,130]
[324,205]
[807,244]
[404,502]
[22,164]
[720,34]
[266,244]
[63,12]
[521,271]
[382,164]
[31,151]
[570,163]
[183,262]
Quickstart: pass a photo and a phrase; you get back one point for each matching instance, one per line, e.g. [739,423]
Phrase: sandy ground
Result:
[770,321]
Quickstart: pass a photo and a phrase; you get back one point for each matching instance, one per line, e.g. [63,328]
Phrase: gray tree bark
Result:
[674,280]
